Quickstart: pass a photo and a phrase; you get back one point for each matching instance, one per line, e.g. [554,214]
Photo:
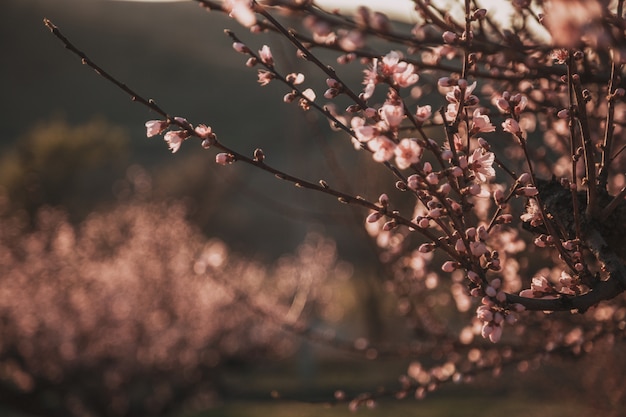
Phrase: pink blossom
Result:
[532,214]
[382,147]
[454,96]
[392,114]
[204,131]
[265,77]
[484,313]
[539,287]
[423,113]
[370,80]
[511,126]
[521,103]
[480,163]
[266,55]
[405,75]
[503,105]
[363,133]
[352,40]
[407,152]
[390,62]
[569,20]
[389,68]
[175,138]
[451,111]
[295,78]
[309,94]
[155,127]
[241,10]
[481,123]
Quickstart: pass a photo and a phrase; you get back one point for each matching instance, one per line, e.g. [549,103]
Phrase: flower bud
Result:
[259,156]
[224,158]
[374,217]
[479,14]
[449,37]
[449,266]
[240,47]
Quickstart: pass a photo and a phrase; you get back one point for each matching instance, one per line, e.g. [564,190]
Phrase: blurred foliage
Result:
[58,164]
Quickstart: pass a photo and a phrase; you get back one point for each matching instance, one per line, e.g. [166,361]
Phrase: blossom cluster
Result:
[529,133]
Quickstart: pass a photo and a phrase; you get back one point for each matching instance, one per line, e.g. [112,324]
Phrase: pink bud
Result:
[266,55]
[332,83]
[435,213]
[456,172]
[479,14]
[259,156]
[370,112]
[511,126]
[449,37]
[432,178]
[204,131]
[240,47]
[426,247]
[484,144]
[391,224]
[524,178]
[496,334]
[563,114]
[423,223]
[331,93]
[413,182]
[503,105]
[224,158]
[445,189]
[449,266]
[374,217]
[445,82]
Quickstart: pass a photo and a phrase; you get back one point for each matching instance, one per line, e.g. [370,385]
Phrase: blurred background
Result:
[126,270]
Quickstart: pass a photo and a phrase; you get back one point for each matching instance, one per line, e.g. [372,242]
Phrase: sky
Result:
[402,10]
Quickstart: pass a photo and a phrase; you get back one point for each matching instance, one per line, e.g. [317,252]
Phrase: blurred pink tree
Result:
[132,312]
